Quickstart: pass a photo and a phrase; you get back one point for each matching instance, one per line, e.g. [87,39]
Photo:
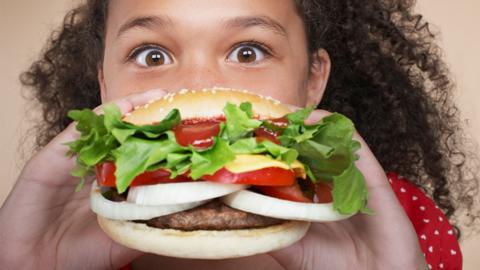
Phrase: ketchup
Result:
[199,132]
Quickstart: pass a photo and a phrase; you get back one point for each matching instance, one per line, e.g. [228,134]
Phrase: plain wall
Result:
[25,25]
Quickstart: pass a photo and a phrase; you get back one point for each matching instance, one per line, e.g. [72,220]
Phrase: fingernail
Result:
[292,107]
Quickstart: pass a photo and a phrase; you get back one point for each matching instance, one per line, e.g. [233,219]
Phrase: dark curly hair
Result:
[387,76]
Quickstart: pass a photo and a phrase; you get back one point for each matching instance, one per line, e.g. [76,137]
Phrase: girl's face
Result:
[245,44]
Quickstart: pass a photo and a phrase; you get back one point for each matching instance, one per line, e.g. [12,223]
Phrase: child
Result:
[374,61]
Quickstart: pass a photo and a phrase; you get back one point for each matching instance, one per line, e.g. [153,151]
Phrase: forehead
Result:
[202,13]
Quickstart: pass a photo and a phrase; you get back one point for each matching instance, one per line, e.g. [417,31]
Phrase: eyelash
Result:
[138,50]
[257,44]
[253,43]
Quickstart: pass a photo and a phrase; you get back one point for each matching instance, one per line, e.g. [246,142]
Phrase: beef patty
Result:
[213,215]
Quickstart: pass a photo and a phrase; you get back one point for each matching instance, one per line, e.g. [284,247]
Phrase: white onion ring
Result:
[130,211]
[252,202]
[175,193]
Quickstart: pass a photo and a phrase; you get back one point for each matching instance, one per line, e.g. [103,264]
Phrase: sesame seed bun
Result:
[203,104]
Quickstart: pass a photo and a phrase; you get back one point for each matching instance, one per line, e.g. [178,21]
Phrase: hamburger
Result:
[216,173]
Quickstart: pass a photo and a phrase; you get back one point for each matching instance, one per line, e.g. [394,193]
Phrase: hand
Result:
[385,240]
[45,224]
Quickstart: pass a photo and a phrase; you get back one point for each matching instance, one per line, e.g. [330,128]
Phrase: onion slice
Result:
[184,192]
[130,211]
[256,203]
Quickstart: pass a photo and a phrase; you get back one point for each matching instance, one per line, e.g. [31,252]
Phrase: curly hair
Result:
[387,76]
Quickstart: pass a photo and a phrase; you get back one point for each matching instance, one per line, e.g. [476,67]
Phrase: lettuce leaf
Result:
[101,136]
[251,146]
[209,161]
[240,121]
[328,149]
[325,148]
[135,155]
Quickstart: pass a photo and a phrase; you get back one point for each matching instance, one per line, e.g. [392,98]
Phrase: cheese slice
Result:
[247,163]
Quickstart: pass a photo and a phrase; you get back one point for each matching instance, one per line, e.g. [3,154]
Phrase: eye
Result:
[151,56]
[247,53]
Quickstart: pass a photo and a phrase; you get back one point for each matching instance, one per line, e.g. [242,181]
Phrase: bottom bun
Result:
[203,244]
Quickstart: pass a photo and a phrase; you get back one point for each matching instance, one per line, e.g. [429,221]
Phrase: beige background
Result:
[24,26]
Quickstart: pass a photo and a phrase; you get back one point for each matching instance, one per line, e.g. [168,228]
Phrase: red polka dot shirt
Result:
[435,234]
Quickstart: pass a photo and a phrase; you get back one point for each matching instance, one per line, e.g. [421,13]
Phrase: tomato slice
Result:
[281,122]
[323,192]
[105,173]
[262,134]
[272,176]
[199,134]
[273,129]
[291,193]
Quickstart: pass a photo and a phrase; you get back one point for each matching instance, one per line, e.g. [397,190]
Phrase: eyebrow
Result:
[148,22]
[253,21]
[152,22]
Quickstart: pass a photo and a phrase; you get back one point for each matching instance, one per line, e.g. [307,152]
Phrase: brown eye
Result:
[153,58]
[246,54]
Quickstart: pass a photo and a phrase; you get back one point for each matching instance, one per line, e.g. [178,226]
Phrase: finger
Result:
[125,104]
[129,103]
[121,256]
[51,165]
[314,117]
[291,257]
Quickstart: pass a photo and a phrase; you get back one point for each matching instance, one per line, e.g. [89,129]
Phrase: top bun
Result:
[204,103]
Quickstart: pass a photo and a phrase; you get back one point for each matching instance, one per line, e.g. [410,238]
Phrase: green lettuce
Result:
[328,150]
[325,148]
[240,121]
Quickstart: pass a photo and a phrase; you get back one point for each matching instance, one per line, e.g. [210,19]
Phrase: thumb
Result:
[291,257]
[121,256]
